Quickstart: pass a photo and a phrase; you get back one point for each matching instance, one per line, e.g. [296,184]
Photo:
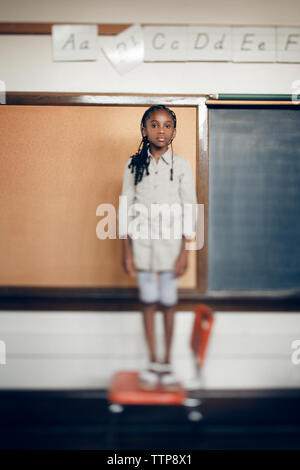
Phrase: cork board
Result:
[57,165]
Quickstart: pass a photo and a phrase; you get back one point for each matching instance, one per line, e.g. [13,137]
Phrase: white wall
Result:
[26,60]
[65,350]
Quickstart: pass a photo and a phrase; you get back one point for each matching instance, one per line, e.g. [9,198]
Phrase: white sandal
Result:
[148,380]
[169,380]
[165,367]
[154,367]
[159,367]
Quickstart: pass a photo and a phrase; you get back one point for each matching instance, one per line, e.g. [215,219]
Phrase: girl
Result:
[155,175]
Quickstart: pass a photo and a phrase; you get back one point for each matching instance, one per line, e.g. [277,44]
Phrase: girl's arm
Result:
[188,196]
[127,257]
[181,263]
[128,190]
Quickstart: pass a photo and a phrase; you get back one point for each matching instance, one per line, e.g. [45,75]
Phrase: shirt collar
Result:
[166,157]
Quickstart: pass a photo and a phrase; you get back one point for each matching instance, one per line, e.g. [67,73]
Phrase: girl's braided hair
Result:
[140,161]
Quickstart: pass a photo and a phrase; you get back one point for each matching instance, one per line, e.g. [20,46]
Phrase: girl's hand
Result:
[128,265]
[181,264]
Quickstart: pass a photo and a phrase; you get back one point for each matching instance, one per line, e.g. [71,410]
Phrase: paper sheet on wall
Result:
[254,44]
[288,44]
[126,50]
[74,42]
[165,43]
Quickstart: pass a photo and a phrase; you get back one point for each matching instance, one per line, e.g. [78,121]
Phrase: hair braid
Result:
[140,161]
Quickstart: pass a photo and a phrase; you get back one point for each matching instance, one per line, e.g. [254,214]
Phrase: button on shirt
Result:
[155,242]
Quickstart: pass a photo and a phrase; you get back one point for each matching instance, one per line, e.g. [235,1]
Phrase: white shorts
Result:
[158,287]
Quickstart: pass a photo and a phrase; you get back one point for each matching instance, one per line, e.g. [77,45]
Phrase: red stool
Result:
[125,390]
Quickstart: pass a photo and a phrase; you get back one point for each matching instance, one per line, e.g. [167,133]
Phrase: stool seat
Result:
[125,390]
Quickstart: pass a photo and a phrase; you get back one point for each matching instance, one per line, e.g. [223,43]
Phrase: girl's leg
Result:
[149,328]
[168,299]
[148,296]
[168,314]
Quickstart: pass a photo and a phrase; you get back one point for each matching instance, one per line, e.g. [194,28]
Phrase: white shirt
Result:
[149,252]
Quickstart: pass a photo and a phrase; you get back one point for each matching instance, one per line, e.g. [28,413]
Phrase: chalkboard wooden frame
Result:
[122,299]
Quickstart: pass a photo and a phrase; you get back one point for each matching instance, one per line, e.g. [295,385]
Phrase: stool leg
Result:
[114,409]
[192,406]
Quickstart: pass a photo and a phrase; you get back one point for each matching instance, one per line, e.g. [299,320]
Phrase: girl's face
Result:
[159,129]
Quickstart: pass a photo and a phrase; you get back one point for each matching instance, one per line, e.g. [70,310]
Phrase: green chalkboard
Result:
[254,198]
